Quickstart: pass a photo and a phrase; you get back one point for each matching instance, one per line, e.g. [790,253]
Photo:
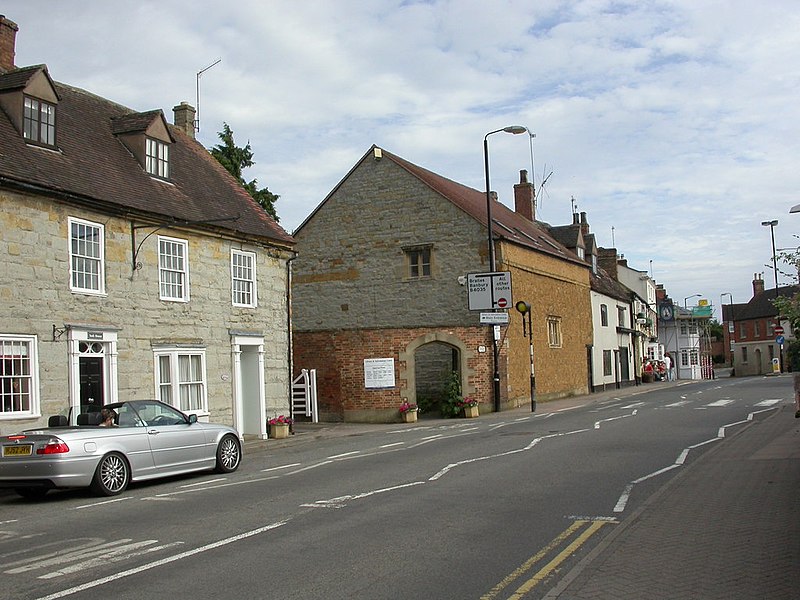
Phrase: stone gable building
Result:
[381,273]
[133,265]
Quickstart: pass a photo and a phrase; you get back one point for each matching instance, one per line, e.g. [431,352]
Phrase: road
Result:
[495,507]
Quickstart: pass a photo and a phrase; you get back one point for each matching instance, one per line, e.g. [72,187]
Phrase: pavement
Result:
[727,526]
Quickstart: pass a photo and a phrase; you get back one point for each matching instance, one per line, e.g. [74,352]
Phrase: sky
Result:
[673,124]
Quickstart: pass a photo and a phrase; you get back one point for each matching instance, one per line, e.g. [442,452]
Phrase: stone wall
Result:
[35,293]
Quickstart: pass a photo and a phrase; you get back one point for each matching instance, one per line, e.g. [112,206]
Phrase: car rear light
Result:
[54,446]
[17,437]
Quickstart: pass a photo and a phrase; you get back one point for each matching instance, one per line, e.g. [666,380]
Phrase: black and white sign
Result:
[378,373]
[488,291]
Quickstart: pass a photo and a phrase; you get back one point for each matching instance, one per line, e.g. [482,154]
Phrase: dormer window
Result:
[39,122]
[157,158]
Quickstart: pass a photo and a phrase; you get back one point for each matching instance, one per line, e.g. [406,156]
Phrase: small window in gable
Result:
[39,122]
[418,262]
[157,158]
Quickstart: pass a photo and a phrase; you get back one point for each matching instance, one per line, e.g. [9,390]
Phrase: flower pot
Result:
[410,416]
[470,412]
[279,431]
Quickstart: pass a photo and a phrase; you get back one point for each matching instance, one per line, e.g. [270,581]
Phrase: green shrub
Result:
[451,404]
[793,356]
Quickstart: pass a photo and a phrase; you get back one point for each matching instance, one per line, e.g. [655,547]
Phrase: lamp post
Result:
[513,129]
[685,305]
[771,225]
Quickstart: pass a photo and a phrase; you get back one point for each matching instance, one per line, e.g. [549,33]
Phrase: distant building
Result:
[749,329]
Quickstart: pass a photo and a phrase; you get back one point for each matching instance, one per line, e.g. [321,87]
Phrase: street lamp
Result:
[771,225]
[516,130]
[685,304]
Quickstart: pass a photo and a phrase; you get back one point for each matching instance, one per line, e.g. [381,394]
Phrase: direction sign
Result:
[779,340]
[494,318]
[488,291]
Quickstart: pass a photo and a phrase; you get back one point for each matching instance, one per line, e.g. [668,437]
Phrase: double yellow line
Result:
[521,571]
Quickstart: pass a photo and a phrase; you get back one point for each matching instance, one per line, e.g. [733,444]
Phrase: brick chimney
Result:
[584,224]
[8,41]
[758,284]
[524,197]
[184,117]
[607,260]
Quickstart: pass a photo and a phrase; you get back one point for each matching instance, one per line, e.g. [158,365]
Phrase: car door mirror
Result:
[192,419]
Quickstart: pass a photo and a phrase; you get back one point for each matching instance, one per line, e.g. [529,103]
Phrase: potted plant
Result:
[409,412]
[279,427]
[470,407]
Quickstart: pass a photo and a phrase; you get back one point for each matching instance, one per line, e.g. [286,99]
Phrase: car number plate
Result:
[21,450]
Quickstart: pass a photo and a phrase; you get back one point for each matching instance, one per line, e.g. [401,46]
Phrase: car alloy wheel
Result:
[229,454]
[112,475]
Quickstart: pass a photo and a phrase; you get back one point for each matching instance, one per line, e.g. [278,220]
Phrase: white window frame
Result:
[189,395]
[604,315]
[243,276]
[554,336]
[157,158]
[86,258]
[179,272]
[8,375]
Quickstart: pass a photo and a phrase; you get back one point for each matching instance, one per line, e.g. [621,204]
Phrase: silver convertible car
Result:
[149,439]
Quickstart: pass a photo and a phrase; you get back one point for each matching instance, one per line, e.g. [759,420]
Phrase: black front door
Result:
[91,381]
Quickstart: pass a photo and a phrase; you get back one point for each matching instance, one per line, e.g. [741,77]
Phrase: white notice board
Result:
[378,373]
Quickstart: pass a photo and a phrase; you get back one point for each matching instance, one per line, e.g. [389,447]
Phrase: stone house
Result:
[379,282]
[133,265]
[749,329]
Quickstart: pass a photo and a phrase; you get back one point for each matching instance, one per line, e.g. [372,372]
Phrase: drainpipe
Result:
[289,332]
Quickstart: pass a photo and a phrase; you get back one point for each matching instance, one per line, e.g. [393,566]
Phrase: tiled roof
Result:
[760,306]
[93,167]
[134,122]
[19,78]
[602,283]
[507,224]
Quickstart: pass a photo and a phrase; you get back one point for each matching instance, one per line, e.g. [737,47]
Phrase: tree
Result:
[235,160]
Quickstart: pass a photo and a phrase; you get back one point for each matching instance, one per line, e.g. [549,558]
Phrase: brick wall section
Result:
[338,356]
[35,294]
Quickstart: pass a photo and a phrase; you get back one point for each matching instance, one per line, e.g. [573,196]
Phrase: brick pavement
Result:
[726,527]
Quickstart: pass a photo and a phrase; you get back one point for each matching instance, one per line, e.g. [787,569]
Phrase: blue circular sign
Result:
[779,340]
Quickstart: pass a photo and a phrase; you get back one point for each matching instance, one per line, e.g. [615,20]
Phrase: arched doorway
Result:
[434,365]
[430,360]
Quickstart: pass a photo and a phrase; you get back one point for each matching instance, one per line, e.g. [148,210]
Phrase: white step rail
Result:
[304,395]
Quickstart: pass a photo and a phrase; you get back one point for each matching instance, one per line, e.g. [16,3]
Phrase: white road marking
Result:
[626,492]
[100,503]
[208,482]
[390,445]
[724,402]
[289,466]
[771,402]
[342,500]
[634,405]
[335,456]
[163,561]
[597,423]
[679,403]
